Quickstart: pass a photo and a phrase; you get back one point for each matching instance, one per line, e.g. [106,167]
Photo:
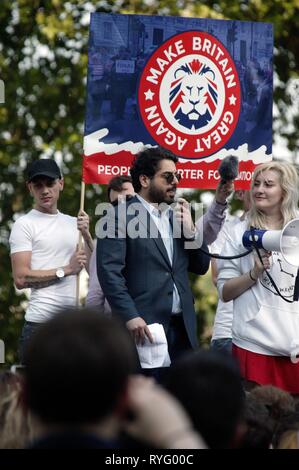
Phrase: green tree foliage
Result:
[43,62]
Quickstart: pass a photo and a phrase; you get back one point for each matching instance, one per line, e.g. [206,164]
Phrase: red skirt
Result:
[268,370]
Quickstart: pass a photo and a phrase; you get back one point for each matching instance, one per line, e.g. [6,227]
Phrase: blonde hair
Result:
[289,440]
[289,182]
[14,420]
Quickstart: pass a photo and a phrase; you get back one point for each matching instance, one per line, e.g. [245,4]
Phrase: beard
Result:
[158,195]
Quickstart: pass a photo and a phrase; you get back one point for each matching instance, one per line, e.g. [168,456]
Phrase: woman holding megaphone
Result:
[265,330]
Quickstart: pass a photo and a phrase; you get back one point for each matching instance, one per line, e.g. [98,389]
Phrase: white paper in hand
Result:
[152,355]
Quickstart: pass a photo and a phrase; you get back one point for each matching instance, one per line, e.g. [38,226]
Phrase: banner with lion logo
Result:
[201,88]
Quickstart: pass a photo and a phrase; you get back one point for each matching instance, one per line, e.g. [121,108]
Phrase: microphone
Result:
[229,169]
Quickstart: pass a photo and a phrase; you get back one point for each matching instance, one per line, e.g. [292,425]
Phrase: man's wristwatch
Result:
[60,273]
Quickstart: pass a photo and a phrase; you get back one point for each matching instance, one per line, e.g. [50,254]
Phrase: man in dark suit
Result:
[144,253]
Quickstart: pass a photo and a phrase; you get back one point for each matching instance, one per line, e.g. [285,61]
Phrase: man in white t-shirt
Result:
[44,253]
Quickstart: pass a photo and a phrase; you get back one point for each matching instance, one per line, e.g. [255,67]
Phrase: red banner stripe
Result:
[99,168]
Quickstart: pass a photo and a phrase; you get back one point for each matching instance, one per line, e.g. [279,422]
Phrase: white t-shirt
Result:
[262,321]
[52,239]
[224,314]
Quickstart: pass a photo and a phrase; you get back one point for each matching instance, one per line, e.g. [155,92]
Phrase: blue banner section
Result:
[140,67]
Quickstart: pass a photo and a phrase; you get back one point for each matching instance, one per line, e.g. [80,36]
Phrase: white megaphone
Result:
[286,241]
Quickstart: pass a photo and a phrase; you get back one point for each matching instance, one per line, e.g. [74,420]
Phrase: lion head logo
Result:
[193,95]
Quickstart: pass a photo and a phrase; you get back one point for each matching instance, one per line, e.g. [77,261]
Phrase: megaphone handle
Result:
[254,243]
[296,288]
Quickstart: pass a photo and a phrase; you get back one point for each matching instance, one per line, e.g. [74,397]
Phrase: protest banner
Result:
[201,88]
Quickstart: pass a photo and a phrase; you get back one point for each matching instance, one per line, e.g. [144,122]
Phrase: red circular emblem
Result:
[189,95]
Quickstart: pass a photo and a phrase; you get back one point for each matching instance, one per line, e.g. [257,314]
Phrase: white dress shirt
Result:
[161,219]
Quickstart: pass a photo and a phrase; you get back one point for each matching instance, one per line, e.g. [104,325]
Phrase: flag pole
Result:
[80,243]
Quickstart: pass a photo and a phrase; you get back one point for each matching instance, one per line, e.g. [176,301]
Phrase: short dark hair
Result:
[116,184]
[146,163]
[209,387]
[77,367]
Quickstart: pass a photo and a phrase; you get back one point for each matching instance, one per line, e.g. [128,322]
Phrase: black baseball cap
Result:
[43,167]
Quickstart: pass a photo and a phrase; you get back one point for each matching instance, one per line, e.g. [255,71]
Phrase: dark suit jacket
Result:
[135,273]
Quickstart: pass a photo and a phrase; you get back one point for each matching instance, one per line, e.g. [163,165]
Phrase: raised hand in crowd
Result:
[158,418]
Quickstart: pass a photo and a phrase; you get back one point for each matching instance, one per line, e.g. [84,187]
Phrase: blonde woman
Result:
[265,327]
